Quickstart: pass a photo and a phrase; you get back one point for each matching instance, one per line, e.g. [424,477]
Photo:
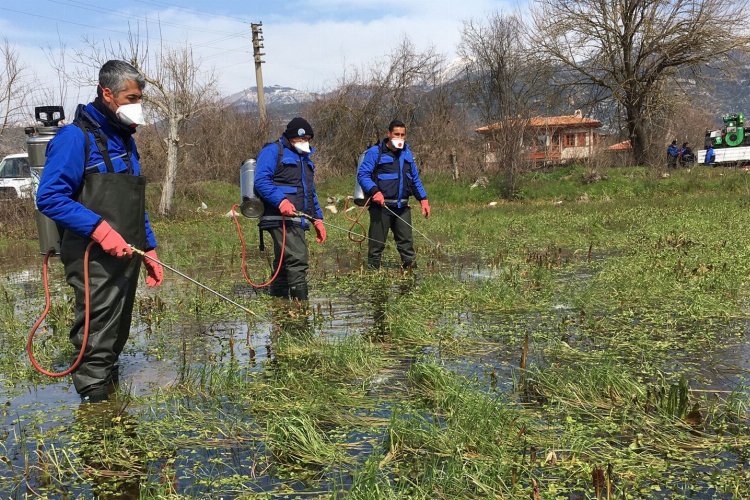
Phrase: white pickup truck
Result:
[16,179]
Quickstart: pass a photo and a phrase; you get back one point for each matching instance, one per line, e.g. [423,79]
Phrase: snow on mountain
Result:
[455,69]
[276,96]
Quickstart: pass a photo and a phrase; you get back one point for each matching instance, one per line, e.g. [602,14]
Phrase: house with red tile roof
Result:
[549,139]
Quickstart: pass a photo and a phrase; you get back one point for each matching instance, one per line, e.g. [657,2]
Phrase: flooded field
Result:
[553,351]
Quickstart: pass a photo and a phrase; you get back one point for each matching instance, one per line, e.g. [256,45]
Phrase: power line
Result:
[206,44]
[62,21]
[92,8]
[192,11]
[237,50]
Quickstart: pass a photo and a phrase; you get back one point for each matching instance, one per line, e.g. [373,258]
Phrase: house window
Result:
[581,139]
[569,140]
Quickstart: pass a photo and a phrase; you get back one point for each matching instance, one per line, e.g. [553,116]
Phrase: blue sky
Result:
[309,45]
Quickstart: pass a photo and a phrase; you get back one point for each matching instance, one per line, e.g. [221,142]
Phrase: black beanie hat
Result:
[297,128]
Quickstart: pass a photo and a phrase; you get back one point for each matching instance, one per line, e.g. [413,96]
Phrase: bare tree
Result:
[219,141]
[56,92]
[507,83]
[504,78]
[13,89]
[357,112]
[632,47]
[177,91]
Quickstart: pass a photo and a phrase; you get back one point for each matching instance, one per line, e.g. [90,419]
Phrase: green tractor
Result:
[729,145]
[733,134]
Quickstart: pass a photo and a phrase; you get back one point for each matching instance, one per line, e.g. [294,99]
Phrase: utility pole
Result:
[257,29]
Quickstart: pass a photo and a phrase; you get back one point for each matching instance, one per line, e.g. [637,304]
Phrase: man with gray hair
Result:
[91,186]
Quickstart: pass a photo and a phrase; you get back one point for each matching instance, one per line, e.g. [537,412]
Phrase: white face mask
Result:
[131,114]
[302,147]
[397,143]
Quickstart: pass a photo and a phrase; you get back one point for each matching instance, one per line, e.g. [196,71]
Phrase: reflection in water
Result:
[379,305]
[104,437]
[289,318]
[160,353]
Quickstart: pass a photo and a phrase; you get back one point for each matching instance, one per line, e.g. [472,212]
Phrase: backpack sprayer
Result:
[37,139]
[252,207]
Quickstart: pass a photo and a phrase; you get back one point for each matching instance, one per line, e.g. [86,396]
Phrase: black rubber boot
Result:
[95,396]
[298,292]
[114,380]
[278,289]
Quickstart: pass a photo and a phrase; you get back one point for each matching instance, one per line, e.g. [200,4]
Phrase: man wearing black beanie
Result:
[284,180]
[298,127]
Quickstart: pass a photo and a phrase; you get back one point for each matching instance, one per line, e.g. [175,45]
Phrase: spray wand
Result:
[313,219]
[224,297]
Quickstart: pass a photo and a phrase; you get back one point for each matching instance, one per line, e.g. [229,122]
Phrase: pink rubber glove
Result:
[320,230]
[110,240]
[154,271]
[425,208]
[378,198]
[286,208]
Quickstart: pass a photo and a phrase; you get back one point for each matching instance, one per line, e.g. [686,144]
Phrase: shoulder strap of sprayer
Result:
[87,124]
[261,243]
[377,160]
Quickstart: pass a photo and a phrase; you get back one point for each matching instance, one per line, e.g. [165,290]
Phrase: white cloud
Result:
[308,46]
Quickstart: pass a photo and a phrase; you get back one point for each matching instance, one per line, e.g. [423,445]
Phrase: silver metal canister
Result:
[37,138]
[250,206]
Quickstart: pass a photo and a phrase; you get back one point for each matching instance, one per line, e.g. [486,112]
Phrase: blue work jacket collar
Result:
[105,123]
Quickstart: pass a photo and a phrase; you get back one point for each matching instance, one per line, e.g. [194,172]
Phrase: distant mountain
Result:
[727,92]
[283,101]
[454,70]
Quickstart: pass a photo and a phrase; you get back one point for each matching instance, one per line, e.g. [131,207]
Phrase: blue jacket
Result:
[293,179]
[673,151]
[710,156]
[395,175]
[63,175]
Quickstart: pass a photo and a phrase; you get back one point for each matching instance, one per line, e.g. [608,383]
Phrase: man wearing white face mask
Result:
[92,188]
[388,175]
[285,181]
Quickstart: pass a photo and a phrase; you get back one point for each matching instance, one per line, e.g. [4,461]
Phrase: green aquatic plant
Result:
[626,298]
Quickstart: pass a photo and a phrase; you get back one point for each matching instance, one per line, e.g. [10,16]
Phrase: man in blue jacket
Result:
[92,188]
[672,153]
[710,155]
[285,181]
[388,175]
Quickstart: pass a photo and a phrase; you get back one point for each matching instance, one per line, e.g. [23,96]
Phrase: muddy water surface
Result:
[154,360]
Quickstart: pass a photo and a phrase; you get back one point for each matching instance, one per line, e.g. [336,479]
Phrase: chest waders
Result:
[120,200]
[396,218]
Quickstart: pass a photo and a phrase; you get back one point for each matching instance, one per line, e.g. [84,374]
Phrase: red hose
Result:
[355,221]
[32,333]
[244,260]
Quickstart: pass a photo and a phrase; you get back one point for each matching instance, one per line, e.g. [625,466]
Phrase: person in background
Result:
[710,155]
[91,186]
[687,158]
[672,153]
[285,182]
[388,175]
